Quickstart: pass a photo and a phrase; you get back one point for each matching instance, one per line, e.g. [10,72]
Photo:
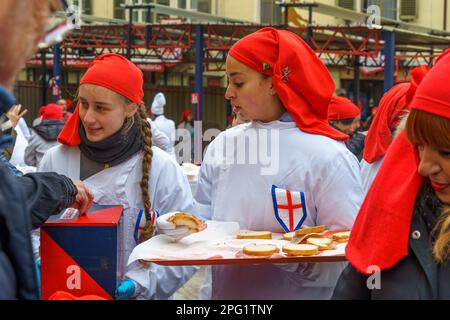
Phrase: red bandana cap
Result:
[342,108]
[111,71]
[184,116]
[301,80]
[52,112]
[381,230]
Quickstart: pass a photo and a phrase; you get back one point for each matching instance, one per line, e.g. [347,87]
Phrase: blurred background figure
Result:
[344,116]
[165,125]
[186,123]
[62,103]
[44,135]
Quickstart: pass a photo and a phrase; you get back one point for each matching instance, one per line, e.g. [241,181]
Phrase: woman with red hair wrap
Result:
[403,228]
[107,143]
[393,107]
[287,151]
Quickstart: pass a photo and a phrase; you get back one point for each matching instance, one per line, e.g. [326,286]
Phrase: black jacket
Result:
[25,203]
[416,277]
[49,129]
[356,144]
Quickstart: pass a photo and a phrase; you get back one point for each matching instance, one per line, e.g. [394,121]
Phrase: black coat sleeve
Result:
[47,193]
[351,285]
[356,144]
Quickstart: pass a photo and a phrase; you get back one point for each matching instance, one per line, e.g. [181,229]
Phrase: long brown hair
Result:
[426,128]
[146,136]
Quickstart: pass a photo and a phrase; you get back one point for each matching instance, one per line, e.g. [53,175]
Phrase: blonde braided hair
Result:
[146,136]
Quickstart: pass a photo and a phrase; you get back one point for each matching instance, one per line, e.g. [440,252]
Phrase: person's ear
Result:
[131,109]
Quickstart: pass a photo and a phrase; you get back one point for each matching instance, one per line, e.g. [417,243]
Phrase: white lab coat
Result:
[167,126]
[23,135]
[159,139]
[368,173]
[322,168]
[169,191]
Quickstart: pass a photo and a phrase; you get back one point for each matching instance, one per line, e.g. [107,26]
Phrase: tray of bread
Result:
[218,242]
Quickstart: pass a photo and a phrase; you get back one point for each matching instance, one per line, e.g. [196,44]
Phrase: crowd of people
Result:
[388,183]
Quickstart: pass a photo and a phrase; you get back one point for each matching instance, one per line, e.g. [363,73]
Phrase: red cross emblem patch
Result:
[289,208]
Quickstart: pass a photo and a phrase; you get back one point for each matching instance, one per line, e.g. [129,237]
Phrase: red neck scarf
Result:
[111,71]
[301,80]
[381,230]
[342,108]
[393,103]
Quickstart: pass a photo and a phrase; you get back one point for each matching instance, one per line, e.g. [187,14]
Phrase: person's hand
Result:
[125,289]
[14,114]
[84,198]
[169,229]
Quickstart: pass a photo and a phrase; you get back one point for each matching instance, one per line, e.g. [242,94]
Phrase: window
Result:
[201,5]
[182,4]
[267,11]
[87,7]
[388,7]
[119,12]
[347,4]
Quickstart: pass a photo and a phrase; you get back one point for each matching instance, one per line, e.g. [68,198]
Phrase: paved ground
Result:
[191,290]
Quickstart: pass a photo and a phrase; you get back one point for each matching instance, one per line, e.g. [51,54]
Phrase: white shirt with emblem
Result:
[236,185]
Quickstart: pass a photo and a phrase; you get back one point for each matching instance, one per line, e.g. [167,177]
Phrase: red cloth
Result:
[186,113]
[63,295]
[379,136]
[301,80]
[111,71]
[381,230]
[342,108]
[52,112]
[393,103]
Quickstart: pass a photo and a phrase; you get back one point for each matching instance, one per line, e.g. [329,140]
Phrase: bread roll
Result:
[188,220]
[315,229]
[341,236]
[260,249]
[321,243]
[254,235]
[288,236]
[300,249]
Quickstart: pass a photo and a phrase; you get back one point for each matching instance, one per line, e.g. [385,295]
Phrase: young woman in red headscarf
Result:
[403,228]
[393,107]
[107,143]
[285,168]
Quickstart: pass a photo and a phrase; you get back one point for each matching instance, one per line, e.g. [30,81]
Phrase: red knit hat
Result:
[381,230]
[184,116]
[342,108]
[301,80]
[111,71]
[52,112]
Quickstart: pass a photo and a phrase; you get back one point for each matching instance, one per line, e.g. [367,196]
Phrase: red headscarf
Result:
[186,113]
[111,71]
[52,112]
[301,80]
[393,103]
[342,108]
[381,230]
